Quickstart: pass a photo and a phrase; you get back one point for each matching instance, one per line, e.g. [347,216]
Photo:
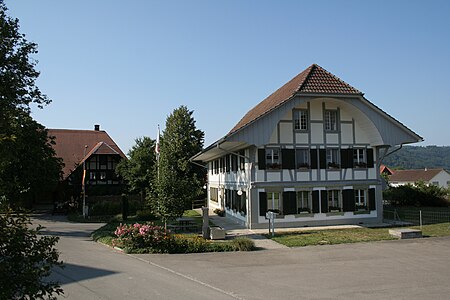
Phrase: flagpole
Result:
[157,152]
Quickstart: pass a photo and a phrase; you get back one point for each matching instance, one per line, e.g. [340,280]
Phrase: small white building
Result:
[438,177]
[310,151]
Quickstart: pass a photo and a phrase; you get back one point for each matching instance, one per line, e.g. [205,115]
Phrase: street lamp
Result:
[83,183]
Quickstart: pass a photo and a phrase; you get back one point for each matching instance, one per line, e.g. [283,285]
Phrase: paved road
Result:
[412,269]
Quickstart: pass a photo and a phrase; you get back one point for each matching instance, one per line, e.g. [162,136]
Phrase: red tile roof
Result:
[313,80]
[414,175]
[70,146]
[386,170]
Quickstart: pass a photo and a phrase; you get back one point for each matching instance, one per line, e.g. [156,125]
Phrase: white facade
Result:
[312,156]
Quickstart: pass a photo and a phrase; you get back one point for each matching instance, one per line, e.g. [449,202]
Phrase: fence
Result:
[416,216]
[198,203]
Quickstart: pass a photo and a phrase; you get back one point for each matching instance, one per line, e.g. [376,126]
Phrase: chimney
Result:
[97,127]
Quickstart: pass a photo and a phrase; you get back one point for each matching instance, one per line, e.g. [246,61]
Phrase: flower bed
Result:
[150,238]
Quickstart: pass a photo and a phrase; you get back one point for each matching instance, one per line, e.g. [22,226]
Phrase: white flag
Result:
[157,142]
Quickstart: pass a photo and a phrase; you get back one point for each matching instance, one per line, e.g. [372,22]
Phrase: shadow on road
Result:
[75,273]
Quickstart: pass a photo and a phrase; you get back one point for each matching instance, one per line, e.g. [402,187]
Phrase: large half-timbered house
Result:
[310,151]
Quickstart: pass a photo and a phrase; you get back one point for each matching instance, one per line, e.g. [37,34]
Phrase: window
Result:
[103,160]
[303,202]
[302,158]
[331,120]
[242,160]
[334,201]
[333,160]
[214,194]
[359,158]
[273,201]
[301,119]
[360,200]
[273,159]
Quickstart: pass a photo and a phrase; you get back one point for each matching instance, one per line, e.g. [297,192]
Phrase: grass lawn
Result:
[354,235]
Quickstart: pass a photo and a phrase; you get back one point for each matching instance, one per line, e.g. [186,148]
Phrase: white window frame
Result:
[361,199]
[331,120]
[274,201]
[334,197]
[302,198]
[301,120]
[359,158]
[273,158]
[333,158]
[306,160]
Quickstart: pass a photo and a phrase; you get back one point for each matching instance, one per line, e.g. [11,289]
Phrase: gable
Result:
[314,79]
[70,146]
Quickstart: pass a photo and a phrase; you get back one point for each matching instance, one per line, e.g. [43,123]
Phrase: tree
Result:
[26,260]
[179,181]
[28,166]
[139,169]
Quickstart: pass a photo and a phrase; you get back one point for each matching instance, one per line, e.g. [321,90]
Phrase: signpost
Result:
[271,216]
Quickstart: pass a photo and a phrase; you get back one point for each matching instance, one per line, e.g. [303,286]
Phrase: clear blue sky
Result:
[127,64]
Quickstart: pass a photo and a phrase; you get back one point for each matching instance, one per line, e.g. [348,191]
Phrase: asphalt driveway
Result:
[408,269]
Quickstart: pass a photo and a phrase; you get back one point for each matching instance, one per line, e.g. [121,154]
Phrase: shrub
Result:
[145,215]
[26,260]
[219,212]
[145,237]
[419,194]
[243,244]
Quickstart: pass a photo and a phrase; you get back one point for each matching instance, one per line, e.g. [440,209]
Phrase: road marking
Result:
[231,294]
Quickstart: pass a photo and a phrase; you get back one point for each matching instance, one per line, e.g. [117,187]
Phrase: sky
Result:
[126,65]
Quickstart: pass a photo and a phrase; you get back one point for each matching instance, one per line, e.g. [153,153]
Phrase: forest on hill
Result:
[418,157]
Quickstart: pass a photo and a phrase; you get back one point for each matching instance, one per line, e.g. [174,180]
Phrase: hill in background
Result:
[415,157]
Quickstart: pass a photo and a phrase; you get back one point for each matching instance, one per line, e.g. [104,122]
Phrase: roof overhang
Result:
[219,149]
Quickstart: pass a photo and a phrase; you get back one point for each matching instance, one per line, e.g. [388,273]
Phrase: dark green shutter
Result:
[348,200]
[315,202]
[346,158]
[262,203]
[313,154]
[370,158]
[324,201]
[372,202]
[227,163]
[289,203]
[288,158]
[323,158]
[261,159]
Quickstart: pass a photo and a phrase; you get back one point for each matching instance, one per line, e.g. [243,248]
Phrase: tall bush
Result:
[26,260]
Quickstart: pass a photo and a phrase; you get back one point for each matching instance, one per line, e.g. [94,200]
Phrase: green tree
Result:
[179,181]
[27,163]
[26,260]
[138,170]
